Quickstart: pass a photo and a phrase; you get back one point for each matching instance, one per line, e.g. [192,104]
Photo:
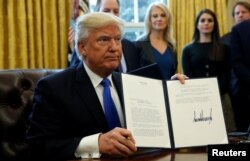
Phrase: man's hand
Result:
[117,142]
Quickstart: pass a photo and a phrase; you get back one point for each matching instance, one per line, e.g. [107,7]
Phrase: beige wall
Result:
[229,13]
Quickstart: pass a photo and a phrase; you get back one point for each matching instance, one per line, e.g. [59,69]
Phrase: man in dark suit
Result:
[240,56]
[68,119]
[130,57]
[240,13]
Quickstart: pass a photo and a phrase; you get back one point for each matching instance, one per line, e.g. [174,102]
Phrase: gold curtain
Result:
[184,13]
[34,33]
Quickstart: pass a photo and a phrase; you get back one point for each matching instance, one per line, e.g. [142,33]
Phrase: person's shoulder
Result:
[143,38]
[124,40]
[244,24]
[128,46]
[226,36]
[60,76]
[127,42]
[189,46]
[141,41]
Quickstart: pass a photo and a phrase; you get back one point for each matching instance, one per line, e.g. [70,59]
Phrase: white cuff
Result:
[88,147]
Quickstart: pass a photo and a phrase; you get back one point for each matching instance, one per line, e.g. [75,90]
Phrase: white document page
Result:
[196,112]
[145,111]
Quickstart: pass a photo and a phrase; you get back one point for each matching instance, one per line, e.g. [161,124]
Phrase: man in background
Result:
[240,12]
[240,56]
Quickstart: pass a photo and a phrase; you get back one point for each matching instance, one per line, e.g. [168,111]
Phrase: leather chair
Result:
[16,94]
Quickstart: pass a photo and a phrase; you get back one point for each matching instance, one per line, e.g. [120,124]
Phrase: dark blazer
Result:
[146,56]
[225,39]
[240,51]
[130,54]
[240,57]
[66,109]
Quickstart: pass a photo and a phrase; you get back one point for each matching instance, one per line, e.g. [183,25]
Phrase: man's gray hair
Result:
[87,22]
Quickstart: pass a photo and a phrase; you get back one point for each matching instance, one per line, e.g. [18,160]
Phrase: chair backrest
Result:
[16,95]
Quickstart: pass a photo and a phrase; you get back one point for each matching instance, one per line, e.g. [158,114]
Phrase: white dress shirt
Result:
[88,146]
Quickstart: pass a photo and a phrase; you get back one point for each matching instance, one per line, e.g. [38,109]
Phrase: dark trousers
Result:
[242,116]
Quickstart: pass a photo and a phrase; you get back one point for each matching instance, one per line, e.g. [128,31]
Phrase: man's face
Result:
[241,14]
[109,6]
[102,49]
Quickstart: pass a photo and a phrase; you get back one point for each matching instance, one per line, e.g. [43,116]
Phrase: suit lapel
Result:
[146,46]
[144,43]
[126,54]
[116,77]
[88,95]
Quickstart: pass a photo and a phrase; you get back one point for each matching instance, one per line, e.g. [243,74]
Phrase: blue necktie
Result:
[109,106]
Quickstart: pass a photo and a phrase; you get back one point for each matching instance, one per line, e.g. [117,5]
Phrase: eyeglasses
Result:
[106,40]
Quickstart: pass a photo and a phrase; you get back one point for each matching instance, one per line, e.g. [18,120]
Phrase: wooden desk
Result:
[188,154]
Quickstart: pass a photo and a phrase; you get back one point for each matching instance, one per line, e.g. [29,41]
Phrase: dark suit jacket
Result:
[130,54]
[66,109]
[225,39]
[240,52]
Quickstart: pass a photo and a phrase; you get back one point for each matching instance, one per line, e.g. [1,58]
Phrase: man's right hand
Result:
[117,142]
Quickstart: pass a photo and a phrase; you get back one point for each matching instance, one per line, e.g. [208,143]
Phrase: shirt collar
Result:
[95,79]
